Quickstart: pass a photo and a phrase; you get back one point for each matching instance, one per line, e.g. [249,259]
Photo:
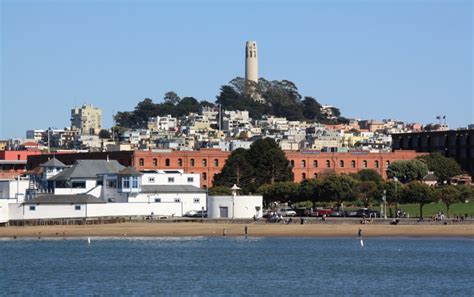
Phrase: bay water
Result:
[236,266]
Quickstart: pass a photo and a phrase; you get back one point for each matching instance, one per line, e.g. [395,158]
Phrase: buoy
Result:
[361,243]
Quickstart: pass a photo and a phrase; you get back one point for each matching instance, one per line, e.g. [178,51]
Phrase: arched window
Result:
[376,164]
[204,187]
[303,163]
[155,162]
[180,162]
[216,162]
[191,162]
[341,163]
[364,163]
[315,163]
[292,163]
[204,162]
[353,164]
[167,162]
[204,176]
[141,162]
[328,164]
[303,175]
[315,175]
[387,163]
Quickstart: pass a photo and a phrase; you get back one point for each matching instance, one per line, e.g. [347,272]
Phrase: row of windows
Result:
[170,179]
[341,164]
[180,162]
[33,207]
[158,200]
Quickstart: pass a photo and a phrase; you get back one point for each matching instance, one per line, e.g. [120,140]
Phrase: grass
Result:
[457,209]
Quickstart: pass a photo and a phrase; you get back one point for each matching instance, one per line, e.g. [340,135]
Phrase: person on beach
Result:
[359,233]
[246,229]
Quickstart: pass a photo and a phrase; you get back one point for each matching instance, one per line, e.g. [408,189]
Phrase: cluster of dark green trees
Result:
[281,99]
[264,169]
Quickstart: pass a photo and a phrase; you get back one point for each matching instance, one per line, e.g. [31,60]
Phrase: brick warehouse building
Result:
[457,144]
[207,162]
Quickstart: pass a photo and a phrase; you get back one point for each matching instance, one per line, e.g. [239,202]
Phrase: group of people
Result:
[401,213]
[438,217]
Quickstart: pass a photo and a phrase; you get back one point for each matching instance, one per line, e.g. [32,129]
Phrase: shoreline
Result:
[140,229]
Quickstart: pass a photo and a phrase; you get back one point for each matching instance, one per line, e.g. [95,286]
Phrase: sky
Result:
[406,60]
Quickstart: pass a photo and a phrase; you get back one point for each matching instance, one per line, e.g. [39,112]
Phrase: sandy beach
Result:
[216,229]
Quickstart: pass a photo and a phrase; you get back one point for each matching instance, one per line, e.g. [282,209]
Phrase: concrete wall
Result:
[8,188]
[238,207]
[186,200]
[18,211]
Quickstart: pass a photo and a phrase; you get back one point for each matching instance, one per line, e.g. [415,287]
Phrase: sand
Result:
[216,229]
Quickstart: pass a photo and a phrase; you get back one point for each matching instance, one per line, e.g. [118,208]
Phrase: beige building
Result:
[86,119]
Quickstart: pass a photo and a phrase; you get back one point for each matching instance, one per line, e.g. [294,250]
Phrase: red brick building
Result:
[207,162]
[13,163]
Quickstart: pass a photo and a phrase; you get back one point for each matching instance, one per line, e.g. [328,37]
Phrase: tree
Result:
[104,134]
[237,170]
[269,162]
[443,167]
[367,191]
[311,109]
[408,170]
[369,175]
[219,190]
[417,192]
[186,106]
[309,190]
[283,192]
[338,188]
[448,194]
[393,192]
[171,97]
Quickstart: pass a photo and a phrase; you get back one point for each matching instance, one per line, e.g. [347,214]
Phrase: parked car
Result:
[364,212]
[337,213]
[286,212]
[190,213]
[319,212]
[201,214]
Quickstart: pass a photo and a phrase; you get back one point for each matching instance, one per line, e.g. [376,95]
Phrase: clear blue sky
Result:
[409,60]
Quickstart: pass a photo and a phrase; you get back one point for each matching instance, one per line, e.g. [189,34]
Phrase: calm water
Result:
[237,266]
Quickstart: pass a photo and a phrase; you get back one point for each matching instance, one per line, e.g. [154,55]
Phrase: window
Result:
[353,164]
[32,208]
[204,176]
[292,163]
[216,163]
[190,179]
[364,163]
[376,164]
[171,179]
[303,164]
[111,183]
[303,175]
[328,164]
[196,200]
[167,162]
[315,175]
[78,185]
[180,162]
[151,179]
[99,183]
[155,162]
[157,199]
[177,200]
[387,163]
[191,162]
[341,163]
[141,162]
[126,182]
[77,207]
[19,157]
[204,162]
[315,164]
[135,182]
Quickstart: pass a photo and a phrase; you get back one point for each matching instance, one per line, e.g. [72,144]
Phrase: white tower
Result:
[251,61]
[251,69]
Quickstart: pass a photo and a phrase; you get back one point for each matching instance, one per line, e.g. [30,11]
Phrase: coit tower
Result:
[251,69]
